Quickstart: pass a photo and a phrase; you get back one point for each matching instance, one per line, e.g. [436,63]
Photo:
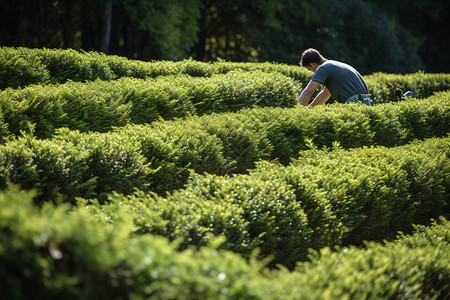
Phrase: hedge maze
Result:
[125,179]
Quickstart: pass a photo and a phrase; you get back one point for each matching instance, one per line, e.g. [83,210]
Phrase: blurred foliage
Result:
[94,251]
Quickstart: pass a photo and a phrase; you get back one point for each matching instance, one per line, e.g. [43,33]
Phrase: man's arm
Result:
[321,98]
[307,92]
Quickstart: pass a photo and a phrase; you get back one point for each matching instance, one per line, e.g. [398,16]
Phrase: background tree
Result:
[143,29]
[429,23]
[162,29]
[396,36]
[271,30]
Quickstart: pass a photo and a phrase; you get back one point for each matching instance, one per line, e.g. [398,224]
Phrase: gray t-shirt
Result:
[342,80]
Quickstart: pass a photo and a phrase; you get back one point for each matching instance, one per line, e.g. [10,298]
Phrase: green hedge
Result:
[325,198]
[88,167]
[20,67]
[25,66]
[382,86]
[100,105]
[57,252]
[358,125]
[278,134]
[413,267]
[159,157]
[19,70]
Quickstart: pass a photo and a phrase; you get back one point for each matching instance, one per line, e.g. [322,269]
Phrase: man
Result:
[341,81]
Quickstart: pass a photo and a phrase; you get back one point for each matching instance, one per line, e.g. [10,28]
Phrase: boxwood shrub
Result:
[63,252]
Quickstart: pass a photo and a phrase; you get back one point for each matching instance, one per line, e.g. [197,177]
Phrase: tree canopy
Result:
[396,36]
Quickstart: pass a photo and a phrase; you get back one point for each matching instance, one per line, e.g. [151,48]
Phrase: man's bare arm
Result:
[321,98]
[307,92]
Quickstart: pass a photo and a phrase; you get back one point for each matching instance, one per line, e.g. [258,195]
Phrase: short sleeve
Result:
[320,75]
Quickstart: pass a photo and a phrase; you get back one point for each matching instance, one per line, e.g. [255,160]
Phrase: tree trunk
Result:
[106,27]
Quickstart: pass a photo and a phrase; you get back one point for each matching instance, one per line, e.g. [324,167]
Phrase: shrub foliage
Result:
[57,252]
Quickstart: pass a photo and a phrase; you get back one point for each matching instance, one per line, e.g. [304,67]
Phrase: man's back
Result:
[341,79]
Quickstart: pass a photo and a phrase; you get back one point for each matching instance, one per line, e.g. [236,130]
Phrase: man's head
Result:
[311,59]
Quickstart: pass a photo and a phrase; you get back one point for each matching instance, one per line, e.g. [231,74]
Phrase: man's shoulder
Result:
[334,66]
[334,63]
[327,69]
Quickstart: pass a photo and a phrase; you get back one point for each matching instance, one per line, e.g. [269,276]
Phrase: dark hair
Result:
[310,56]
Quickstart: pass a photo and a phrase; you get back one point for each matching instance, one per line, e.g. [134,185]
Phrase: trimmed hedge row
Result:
[322,199]
[72,255]
[159,157]
[100,105]
[25,66]
[20,67]
[382,86]
[413,267]
[279,134]
[325,198]
[55,253]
